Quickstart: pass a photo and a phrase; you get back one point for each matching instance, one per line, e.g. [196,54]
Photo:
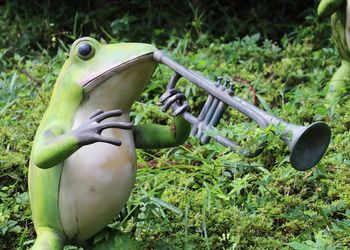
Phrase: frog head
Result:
[109,73]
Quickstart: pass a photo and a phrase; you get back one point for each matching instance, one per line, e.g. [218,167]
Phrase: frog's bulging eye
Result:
[85,50]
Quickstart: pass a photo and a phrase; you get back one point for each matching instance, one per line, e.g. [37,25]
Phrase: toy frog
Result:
[339,11]
[83,163]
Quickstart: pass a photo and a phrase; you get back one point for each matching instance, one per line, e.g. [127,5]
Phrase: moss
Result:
[214,198]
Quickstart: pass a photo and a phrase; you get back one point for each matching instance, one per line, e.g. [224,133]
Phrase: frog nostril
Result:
[84,49]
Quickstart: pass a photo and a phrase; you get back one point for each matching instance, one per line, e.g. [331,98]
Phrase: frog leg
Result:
[49,238]
[327,7]
[149,136]
[337,9]
[338,84]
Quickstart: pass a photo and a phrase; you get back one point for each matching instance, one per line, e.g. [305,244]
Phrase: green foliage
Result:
[28,25]
[194,196]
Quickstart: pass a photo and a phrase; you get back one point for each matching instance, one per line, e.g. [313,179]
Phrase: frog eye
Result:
[85,50]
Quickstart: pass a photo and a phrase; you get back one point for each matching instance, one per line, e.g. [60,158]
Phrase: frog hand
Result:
[175,100]
[90,130]
[327,7]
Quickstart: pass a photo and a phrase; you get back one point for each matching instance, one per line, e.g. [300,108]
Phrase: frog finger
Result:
[327,7]
[107,114]
[121,125]
[171,100]
[96,113]
[181,109]
[166,95]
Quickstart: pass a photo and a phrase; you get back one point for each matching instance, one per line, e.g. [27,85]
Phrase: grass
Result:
[203,196]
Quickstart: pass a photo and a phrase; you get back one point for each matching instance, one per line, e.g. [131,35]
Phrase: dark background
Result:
[30,24]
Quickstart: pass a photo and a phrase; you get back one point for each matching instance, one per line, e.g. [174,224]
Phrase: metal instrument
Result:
[307,144]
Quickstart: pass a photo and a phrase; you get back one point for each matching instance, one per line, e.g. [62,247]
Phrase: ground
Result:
[203,196]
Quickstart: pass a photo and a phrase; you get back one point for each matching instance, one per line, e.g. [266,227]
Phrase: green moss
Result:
[209,197]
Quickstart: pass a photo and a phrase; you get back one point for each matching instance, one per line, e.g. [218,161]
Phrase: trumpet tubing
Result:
[307,144]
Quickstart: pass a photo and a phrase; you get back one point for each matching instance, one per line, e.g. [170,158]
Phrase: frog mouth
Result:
[98,79]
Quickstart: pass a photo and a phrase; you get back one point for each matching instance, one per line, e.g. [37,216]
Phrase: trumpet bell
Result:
[308,144]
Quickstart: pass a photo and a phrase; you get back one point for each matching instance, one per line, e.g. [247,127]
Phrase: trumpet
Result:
[307,144]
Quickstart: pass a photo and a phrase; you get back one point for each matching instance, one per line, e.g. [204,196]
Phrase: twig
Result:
[35,81]
[32,78]
[250,87]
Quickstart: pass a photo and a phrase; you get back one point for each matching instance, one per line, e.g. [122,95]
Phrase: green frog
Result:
[339,11]
[83,162]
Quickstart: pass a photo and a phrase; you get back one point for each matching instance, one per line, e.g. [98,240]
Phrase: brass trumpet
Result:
[307,144]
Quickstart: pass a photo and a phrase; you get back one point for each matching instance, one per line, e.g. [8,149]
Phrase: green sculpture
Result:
[75,196]
[339,11]
[83,163]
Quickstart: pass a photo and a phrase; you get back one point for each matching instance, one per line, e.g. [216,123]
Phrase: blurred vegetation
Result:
[31,25]
[194,196]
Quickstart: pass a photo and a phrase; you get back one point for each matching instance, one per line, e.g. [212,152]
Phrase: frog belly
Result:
[95,184]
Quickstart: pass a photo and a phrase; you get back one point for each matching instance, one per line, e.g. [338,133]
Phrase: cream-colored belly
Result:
[97,180]
[96,183]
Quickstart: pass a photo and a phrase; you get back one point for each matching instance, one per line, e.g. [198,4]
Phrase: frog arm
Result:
[56,143]
[148,136]
[327,7]
[53,146]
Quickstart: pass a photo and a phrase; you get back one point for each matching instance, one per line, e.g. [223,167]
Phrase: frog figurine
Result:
[83,163]
[339,11]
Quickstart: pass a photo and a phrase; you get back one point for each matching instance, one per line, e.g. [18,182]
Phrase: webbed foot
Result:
[48,239]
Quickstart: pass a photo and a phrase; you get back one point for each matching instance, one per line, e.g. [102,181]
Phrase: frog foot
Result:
[90,130]
[48,239]
[175,100]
